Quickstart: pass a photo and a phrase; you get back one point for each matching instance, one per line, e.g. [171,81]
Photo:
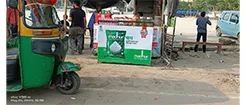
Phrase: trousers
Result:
[76,36]
[204,39]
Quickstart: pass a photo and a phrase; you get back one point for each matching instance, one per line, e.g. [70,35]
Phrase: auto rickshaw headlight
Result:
[53,47]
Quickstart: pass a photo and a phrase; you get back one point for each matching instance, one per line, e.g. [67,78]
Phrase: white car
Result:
[212,15]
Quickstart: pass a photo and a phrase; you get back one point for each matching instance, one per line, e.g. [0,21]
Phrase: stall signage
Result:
[141,57]
[95,34]
[144,32]
[132,45]
[130,40]
[156,44]
[155,41]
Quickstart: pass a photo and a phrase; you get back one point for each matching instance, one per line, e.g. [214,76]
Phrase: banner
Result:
[156,44]
[125,44]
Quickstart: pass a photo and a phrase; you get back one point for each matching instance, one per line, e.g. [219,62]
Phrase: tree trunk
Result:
[215,16]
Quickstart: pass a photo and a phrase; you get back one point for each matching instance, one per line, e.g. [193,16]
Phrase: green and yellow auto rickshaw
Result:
[36,52]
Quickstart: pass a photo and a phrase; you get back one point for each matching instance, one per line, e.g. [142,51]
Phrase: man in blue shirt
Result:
[201,23]
[91,25]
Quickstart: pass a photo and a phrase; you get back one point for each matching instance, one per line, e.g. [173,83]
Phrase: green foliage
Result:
[200,5]
[205,5]
[228,4]
[184,5]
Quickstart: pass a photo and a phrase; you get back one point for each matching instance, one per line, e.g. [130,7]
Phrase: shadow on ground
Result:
[121,90]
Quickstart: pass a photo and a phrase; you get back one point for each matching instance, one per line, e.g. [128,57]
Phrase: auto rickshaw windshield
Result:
[39,15]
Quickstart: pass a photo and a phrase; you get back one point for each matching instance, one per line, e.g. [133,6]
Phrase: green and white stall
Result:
[125,44]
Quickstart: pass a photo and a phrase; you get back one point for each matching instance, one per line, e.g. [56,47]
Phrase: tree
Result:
[200,5]
[183,5]
[214,5]
[228,5]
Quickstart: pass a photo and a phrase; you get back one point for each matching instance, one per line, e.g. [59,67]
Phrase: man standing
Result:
[77,28]
[201,23]
[91,25]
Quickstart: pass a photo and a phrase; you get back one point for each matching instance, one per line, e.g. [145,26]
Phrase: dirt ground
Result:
[218,73]
[195,79]
[222,71]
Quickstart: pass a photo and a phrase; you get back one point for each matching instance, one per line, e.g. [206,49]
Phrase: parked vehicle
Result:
[180,13]
[192,13]
[213,15]
[183,13]
[229,24]
[40,51]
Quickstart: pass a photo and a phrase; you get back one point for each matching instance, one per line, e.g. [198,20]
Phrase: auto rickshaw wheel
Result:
[70,85]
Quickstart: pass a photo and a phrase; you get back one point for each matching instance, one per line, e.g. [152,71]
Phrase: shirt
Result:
[77,15]
[12,16]
[201,23]
[92,20]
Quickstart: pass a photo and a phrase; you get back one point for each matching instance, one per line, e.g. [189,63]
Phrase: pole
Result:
[64,17]
[163,27]
[65,14]
[174,29]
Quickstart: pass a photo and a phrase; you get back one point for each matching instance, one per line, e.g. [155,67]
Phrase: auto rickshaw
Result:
[36,53]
